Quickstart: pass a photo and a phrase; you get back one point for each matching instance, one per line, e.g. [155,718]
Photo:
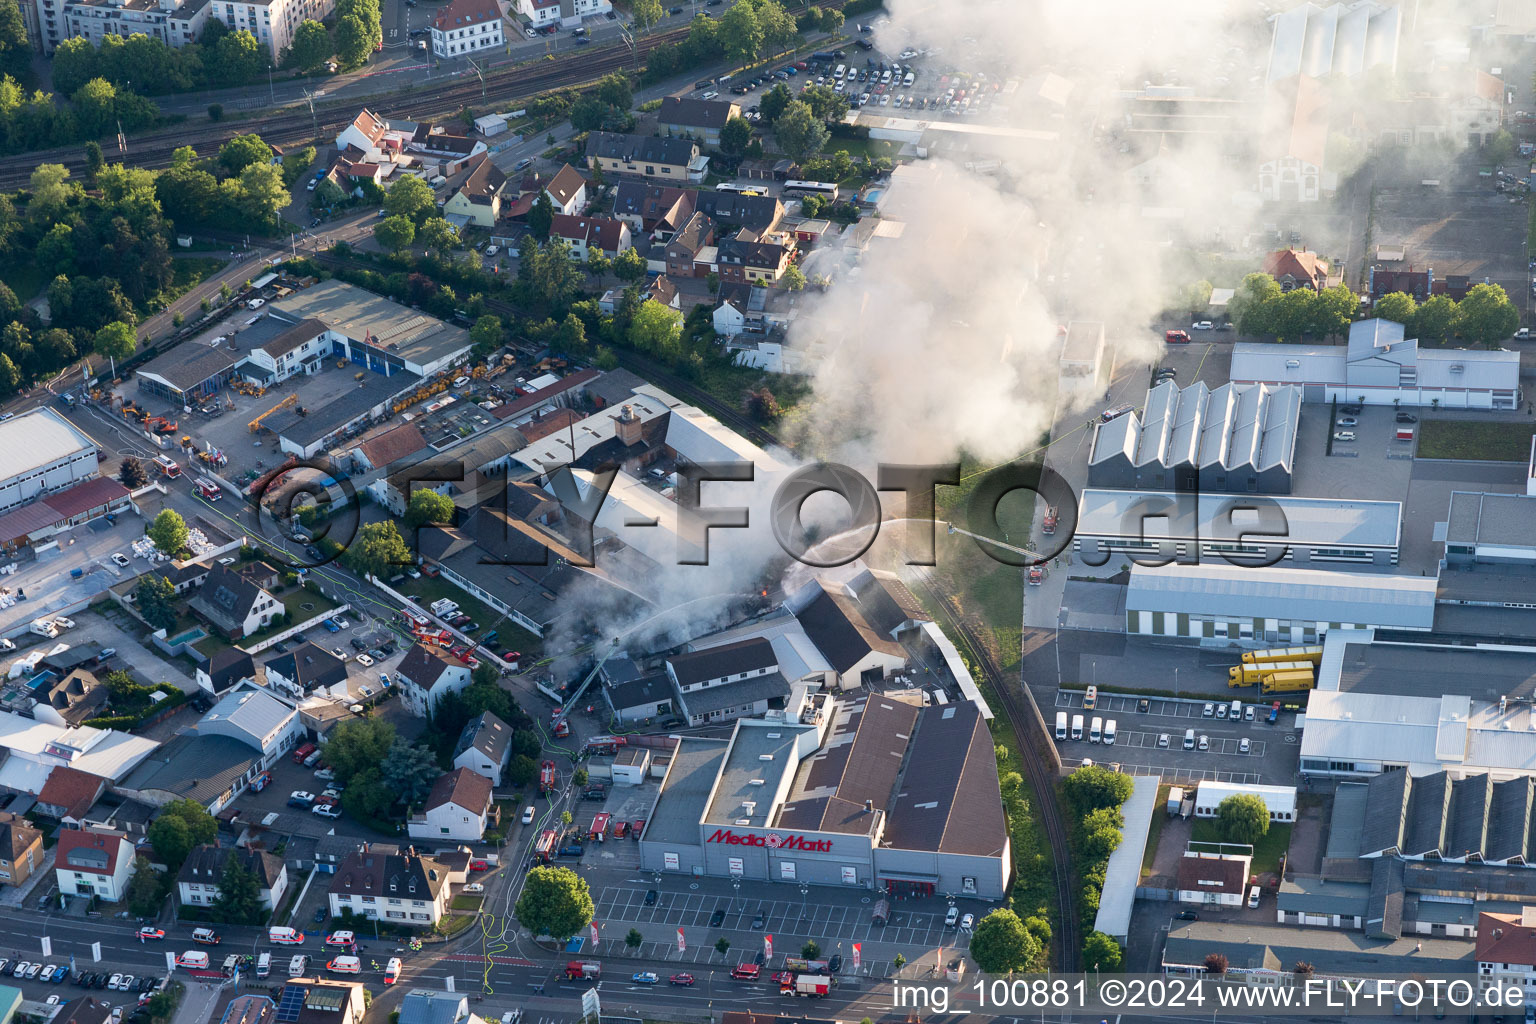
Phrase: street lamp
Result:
[804,892]
[736,885]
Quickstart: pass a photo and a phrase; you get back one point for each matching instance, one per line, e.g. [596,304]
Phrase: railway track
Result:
[1029,734]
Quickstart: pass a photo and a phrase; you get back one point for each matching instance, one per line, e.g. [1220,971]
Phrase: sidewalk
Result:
[198,1003]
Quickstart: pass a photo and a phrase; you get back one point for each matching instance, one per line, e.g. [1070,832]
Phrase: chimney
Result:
[628,427]
[869,807]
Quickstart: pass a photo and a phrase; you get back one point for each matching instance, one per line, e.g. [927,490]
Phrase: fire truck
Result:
[1049,526]
[208,489]
[599,829]
[547,776]
[583,970]
[545,849]
[605,744]
[169,467]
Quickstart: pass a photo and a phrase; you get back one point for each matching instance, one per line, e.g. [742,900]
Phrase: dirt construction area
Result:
[1471,230]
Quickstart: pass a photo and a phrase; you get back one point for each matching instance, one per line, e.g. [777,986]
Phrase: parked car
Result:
[1205,743]
[1343,435]
[644,977]
[1348,421]
[685,979]
[717,918]
[474,887]
[1243,745]
[1203,325]
[1208,710]
[1402,417]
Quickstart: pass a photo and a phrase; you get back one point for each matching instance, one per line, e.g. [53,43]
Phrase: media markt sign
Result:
[591,1007]
[772,841]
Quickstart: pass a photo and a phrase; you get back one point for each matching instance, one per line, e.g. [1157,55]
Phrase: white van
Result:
[264,965]
[1109,732]
[1096,730]
[842,69]
[1236,713]
[1077,727]
[1189,739]
[285,936]
[345,965]
[1253,898]
[297,966]
[1061,725]
[192,960]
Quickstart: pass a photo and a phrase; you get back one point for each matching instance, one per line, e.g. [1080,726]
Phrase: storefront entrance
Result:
[902,887]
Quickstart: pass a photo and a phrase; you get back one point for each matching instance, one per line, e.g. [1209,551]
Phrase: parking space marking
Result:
[1188,775]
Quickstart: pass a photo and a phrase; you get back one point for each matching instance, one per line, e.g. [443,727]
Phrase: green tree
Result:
[215,111]
[800,134]
[153,596]
[438,235]
[634,938]
[1434,319]
[615,90]
[811,950]
[239,897]
[487,332]
[522,770]
[541,216]
[722,945]
[377,550]
[1242,818]
[571,337]
[1399,307]
[395,233]
[116,340]
[356,744]
[10,377]
[181,825]
[243,151]
[366,796]
[555,278]
[168,532]
[735,136]
[555,902]
[15,53]
[774,102]
[1001,944]
[93,158]
[144,894]
[1095,786]
[1486,315]
[794,278]
[629,265]
[778,27]
[657,329]
[825,103]
[740,33]
[95,106]
[311,46]
[354,40]
[409,771]
[410,197]
[130,473]
[1336,310]
[428,506]
[1250,302]
[262,195]
[1102,953]
[646,13]
[1499,148]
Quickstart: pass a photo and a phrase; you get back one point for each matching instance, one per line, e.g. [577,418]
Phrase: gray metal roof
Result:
[1509,819]
[685,791]
[36,439]
[1338,39]
[252,711]
[1384,911]
[1333,952]
[1317,896]
[1386,812]
[1467,830]
[426,1006]
[759,759]
[1234,426]
[200,768]
[1297,594]
[1346,826]
[1208,517]
[1429,802]
[723,696]
[1505,520]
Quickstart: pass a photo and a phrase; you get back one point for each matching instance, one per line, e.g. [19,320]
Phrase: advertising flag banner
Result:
[594,934]
[857,948]
[682,945]
[768,947]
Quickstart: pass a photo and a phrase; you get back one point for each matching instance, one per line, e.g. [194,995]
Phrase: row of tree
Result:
[36,121]
[221,58]
[1484,316]
[746,32]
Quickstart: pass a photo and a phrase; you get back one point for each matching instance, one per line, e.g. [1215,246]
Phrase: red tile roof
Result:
[466,12]
[393,445]
[92,852]
[538,429]
[85,496]
[1502,939]
[462,788]
[1212,875]
[370,125]
[71,789]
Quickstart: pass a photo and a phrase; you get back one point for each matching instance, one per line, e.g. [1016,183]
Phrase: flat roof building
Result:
[376,333]
[189,372]
[1233,438]
[1272,605]
[1380,367]
[1491,528]
[1229,528]
[41,453]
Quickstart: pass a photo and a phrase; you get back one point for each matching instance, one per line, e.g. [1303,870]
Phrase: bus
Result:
[741,190]
[825,189]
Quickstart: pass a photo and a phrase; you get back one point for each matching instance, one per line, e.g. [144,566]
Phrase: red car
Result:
[512,656]
[681,979]
[479,865]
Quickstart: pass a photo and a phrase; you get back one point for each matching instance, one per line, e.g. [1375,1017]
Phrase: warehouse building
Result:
[1239,438]
[1279,800]
[870,793]
[1166,525]
[376,333]
[1380,367]
[189,372]
[1494,529]
[43,454]
[1271,605]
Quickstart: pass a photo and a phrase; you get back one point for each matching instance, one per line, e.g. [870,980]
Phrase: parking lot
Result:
[835,919]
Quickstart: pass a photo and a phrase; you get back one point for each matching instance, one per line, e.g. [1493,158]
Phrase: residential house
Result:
[760,215]
[453,151]
[736,680]
[69,793]
[1506,950]
[427,1006]
[389,447]
[93,862]
[657,289]
[734,313]
[393,887]
[67,699]
[426,674]
[484,746]
[84,1010]
[567,190]
[567,13]
[21,849]
[695,119]
[225,669]
[306,668]
[743,258]
[652,157]
[478,197]
[856,627]
[634,695]
[1213,879]
[810,231]
[365,135]
[457,808]
[300,348]
[586,234]
[203,870]
[1297,268]
[256,718]
[686,246]
[467,27]
[658,210]
[234,606]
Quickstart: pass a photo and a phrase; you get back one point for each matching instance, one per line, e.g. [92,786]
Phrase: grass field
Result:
[1479,440]
[1149,857]
[1266,852]
[856,148]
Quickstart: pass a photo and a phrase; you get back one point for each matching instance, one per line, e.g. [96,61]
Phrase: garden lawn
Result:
[1478,440]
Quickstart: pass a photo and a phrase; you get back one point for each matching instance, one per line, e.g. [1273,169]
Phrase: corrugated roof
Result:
[36,439]
[1216,517]
[1298,594]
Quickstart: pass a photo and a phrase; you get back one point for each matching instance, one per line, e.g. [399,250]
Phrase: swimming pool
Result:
[190,636]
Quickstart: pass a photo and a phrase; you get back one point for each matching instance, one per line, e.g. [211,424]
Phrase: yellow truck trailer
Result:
[1287,682]
[1312,654]
[1250,675]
